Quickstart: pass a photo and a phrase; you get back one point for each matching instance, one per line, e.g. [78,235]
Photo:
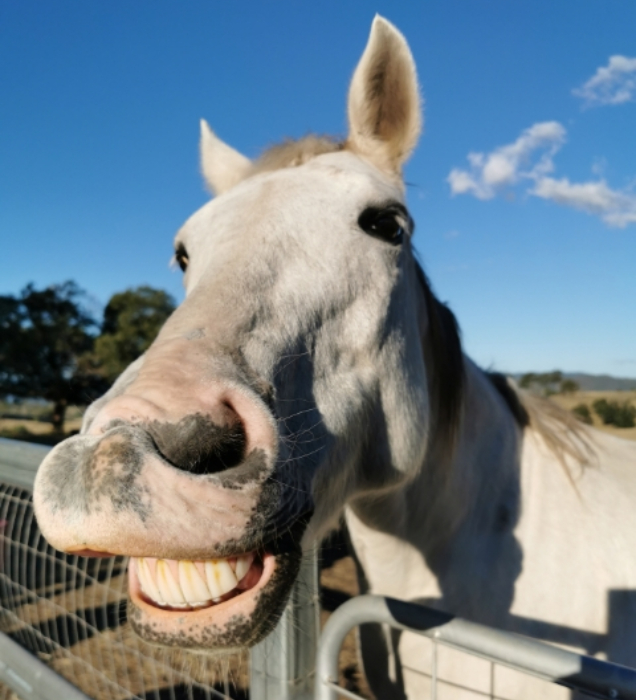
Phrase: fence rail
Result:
[576,671]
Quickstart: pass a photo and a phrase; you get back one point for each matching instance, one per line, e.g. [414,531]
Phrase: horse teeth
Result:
[168,586]
[243,565]
[193,586]
[183,584]
[220,577]
[146,581]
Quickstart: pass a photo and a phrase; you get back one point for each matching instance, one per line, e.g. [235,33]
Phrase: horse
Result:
[312,372]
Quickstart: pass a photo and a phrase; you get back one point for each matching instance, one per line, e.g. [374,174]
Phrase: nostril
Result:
[198,445]
[223,451]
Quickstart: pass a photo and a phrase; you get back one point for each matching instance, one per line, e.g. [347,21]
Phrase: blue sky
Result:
[532,241]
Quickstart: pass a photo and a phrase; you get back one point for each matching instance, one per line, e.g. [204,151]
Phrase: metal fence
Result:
[585,674]
[63,630]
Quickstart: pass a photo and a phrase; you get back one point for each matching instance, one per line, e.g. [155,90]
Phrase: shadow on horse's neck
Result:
[460,509]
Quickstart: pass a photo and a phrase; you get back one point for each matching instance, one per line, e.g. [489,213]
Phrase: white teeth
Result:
[243,565]
[220,577]
[168,587]
[186,584]
[192,584]
[148,585]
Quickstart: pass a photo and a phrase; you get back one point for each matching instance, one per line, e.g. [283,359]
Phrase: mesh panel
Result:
[70,612]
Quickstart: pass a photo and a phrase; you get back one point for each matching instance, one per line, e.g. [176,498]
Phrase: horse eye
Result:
[385,224]
[181,256]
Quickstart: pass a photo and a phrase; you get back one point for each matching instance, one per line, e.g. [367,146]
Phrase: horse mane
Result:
[445,369]
[294,152]
[564,435]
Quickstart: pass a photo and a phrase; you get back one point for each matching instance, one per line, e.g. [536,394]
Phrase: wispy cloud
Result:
[530,159]
[613,84]
[615,207]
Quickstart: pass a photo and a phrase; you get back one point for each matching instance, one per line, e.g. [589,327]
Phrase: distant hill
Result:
[596,382]
[601,382]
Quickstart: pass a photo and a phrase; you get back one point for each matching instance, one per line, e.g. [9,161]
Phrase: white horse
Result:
[312,371]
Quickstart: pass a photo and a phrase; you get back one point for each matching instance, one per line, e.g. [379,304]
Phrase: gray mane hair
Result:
[445,370]
[563,433]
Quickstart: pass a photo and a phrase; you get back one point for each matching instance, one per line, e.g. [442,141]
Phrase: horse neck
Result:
[475,490]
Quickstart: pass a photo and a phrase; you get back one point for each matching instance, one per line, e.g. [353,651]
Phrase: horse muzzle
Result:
[192,501]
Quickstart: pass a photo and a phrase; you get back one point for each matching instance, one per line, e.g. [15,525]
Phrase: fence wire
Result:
[70,612]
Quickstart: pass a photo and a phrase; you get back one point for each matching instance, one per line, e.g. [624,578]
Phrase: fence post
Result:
[282,666]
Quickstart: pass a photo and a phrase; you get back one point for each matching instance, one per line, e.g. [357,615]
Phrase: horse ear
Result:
[221,165]
[385,115]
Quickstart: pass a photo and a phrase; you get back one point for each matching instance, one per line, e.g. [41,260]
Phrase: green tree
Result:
[44,336]
[569,386]
[132,320]
[583,413]
[527,380]
[546,383]
[621,415]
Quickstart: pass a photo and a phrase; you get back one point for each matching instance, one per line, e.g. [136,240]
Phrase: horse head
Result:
[292,379]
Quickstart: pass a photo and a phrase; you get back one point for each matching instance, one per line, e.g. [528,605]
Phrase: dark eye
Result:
[387,223]
[181,256]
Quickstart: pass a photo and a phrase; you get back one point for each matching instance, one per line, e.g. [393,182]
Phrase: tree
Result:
[44,336]
[132,320]
[569,386]
[583,413]
[546,384]
[527,380]
[621,415]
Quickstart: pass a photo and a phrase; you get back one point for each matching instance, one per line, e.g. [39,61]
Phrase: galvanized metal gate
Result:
[596,678]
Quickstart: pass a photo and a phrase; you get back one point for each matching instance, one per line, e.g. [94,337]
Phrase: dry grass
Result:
[568,401]
[36,430]
[36,427]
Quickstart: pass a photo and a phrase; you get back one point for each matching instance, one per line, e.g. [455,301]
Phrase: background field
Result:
[568,401]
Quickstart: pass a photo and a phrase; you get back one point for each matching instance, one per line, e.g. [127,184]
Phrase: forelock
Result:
[294,152]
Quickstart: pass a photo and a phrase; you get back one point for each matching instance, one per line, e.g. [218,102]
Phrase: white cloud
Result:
[613,84]
[530,159]
[508,164]
[615,207]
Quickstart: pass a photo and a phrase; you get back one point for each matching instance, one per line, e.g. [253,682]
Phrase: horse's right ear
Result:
[221,165]
[385,114]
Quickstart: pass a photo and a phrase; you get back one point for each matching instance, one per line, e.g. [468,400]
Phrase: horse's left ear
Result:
[221,165]
[385,114]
